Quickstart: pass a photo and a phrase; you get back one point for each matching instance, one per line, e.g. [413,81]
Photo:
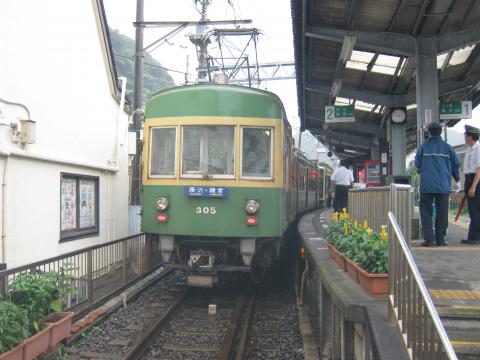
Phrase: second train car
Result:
[222,181]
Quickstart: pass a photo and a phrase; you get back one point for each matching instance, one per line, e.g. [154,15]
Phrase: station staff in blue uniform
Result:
[471,168]
[437,162]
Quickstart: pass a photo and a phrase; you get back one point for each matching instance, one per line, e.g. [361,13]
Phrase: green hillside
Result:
[154,77]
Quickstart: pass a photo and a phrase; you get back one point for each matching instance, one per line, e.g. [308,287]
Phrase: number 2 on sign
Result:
[206,210]
[329,114]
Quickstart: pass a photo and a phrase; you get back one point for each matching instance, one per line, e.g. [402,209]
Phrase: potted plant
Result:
[373,272]
[365,252]
[61,320]
[13,330]
[42,296]
[34,293]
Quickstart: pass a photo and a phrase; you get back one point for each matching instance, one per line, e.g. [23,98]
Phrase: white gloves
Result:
[457,187]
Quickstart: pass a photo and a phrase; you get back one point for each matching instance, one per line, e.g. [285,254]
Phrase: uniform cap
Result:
[434,125]
[471,130]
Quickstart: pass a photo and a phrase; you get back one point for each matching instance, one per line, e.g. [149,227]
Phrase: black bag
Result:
[329,199]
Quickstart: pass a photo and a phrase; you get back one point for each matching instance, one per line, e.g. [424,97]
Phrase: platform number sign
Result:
[338,114]
[455,110]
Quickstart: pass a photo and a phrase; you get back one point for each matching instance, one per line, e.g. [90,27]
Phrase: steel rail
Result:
[242,342]
[233,323]
[139,348]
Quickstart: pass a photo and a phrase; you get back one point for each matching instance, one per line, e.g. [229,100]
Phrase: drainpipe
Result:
[6,154]
[114,177]
[4,207]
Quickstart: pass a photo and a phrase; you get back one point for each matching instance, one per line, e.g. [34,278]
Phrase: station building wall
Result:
[54,60]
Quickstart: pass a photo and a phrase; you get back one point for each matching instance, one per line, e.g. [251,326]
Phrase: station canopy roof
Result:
[362,52]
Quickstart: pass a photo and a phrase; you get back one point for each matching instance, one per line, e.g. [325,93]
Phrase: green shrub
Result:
[35,294]
[13,325]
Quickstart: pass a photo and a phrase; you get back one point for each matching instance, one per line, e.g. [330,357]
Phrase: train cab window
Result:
[257,152]
[163,152]
[208,150]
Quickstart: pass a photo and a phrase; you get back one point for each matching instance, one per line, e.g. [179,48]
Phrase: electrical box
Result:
[27,131]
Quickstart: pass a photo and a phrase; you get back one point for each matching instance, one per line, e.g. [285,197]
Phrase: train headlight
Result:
[161,203]
[251,207]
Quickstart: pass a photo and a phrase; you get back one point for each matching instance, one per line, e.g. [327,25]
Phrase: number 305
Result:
[206,210]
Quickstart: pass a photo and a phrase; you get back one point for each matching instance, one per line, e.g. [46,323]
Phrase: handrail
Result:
[408,300]
[66,255]
[97,272]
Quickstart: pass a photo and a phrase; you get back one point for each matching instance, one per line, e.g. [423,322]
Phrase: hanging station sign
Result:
[338,114]
[455,110]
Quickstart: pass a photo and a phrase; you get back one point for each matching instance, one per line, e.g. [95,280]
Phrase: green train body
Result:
[222,181]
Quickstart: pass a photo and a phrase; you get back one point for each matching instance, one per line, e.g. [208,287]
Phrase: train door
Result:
[286,177]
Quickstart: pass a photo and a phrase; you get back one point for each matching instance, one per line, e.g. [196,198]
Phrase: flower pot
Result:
[37,344]
[13,354]
[352,269]
[376,284]
[337,256]
[61,325]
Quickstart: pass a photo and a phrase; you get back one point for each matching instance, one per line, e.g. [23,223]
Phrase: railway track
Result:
[188,330]
[175,323]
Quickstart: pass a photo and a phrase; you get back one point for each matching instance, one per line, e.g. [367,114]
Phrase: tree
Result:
[155,77]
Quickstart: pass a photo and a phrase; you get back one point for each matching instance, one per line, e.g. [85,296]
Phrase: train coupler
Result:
[201,260]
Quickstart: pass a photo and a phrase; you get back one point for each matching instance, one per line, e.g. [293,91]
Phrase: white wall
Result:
[53,61]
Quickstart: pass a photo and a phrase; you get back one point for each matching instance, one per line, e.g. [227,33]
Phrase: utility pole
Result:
[201,42]
[135,194]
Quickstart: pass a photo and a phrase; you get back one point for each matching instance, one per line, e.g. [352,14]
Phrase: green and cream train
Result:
[222,181]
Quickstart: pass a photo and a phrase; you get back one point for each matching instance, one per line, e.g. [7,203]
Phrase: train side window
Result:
[162,157]
[257,152]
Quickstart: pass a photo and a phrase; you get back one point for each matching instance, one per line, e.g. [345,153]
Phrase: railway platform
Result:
[450,276]
[349,323]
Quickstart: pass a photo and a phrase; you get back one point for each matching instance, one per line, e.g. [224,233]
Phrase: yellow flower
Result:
[369,232]
[383,233]
[365,224]
[335,216]
[355,224]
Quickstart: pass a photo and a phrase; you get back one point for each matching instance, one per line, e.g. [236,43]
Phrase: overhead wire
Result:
[152,65]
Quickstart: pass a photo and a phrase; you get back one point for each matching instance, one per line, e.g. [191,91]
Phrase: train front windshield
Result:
[208,150]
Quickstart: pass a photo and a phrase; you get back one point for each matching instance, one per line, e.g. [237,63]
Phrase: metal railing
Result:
[411,305]
[374,203]
[97,272]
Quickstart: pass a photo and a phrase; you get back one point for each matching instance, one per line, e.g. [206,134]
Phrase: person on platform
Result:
[341,180]
[437,162]
[471,168]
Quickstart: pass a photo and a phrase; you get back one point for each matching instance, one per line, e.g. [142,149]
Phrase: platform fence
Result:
[374,203]
[94,274]
[410,304]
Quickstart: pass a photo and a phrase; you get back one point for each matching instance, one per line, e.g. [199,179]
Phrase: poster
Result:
[87,203]
[68,204]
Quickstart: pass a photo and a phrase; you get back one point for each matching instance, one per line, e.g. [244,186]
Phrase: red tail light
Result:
[251,220]
[162,217]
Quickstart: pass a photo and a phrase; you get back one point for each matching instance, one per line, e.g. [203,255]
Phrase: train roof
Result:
[215,100]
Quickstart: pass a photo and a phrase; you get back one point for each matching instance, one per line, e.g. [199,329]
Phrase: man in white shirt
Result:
[342,180]
[471,168]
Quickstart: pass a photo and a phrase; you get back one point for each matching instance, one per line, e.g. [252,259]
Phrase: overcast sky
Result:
[272,17]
